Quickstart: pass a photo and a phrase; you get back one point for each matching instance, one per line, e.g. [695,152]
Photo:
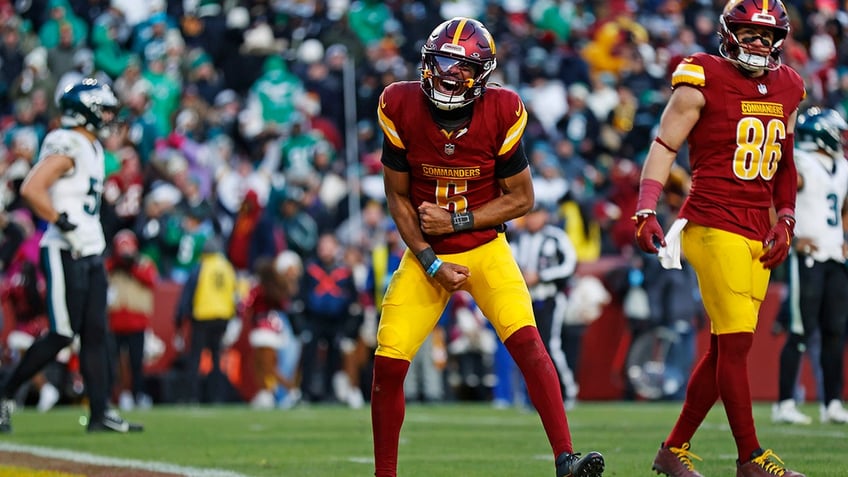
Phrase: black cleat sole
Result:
[591,466]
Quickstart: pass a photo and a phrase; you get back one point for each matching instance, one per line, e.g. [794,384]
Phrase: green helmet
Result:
[820,128]
[84,104]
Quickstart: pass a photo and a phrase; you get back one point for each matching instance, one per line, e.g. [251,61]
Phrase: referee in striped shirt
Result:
[547,259]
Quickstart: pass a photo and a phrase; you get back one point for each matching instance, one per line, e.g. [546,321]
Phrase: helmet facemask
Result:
[753,58]
[749,54]
[456,61]
[451,82]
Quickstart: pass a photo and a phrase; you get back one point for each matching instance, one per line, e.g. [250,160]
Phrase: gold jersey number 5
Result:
[448,192]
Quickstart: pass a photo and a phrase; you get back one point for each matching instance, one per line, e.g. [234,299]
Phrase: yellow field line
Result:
[18,471]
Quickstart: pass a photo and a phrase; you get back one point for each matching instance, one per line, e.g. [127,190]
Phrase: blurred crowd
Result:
[248,129]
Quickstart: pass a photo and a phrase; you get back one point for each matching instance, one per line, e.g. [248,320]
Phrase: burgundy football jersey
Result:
[736,146]
[455,170]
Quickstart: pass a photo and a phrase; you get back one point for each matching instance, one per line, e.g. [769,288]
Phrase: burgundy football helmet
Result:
[753,13]
[457,44]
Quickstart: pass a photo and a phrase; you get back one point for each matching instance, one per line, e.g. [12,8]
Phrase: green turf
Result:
[450,440]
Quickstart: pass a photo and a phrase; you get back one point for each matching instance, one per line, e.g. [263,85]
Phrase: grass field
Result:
[446,440]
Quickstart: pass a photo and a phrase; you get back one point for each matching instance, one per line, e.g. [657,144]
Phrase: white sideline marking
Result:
[92,459]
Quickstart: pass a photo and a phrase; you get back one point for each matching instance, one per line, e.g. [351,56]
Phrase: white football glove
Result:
[75,241]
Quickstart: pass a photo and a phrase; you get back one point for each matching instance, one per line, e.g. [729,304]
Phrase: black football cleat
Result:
[572,465]
[112,422]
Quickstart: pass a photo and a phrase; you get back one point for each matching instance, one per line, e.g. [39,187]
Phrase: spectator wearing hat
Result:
[143,126]
[61,15]
[151,30]
[109,54]
[223,118]
[132,278]
[271,101]
[284,225]
[369,20]
[164,91]
[209,301]
[203,76]
[112,14]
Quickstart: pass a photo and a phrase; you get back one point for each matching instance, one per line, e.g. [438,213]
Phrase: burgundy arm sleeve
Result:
[786,178]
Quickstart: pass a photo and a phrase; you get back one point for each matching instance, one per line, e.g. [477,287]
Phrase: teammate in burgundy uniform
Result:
[455,172]
[738,114]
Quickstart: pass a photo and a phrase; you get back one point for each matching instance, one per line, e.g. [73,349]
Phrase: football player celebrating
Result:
[455,172]
[737,111]
[818,277]
[64,188]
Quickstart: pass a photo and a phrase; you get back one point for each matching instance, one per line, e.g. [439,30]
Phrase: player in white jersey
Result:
[818,278]
[64,189]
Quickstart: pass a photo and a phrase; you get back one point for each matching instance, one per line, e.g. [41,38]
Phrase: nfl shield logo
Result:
[762,88]
[450,149]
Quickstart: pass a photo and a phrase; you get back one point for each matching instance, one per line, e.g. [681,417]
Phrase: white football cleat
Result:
[48,396]
[786,412]
[126,401]
[264,399]
[834,412]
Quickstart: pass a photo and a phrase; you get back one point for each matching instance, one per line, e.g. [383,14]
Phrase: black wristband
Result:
[63,223]
[462,221]
[426,257]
